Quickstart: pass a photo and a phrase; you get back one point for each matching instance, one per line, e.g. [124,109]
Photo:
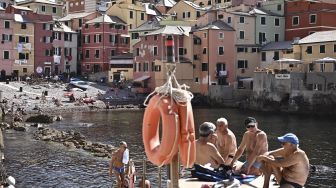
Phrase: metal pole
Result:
[144,172]
[174,172]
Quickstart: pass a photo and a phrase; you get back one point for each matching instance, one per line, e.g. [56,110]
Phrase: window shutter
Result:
[94,38]
[88,38]
[59,51]
[100,38]
[44,26]
[60,36]
[10,37]
[3,36]
[27,56]
[44,39]
[27,39]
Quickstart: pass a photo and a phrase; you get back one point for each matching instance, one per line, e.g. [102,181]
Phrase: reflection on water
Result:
[39,164]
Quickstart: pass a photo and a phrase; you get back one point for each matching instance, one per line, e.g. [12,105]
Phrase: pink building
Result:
[215,54]
[6,45]
[103,38]
[43,56]
[154,50]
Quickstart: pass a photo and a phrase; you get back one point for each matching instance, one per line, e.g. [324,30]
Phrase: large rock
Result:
[42,118]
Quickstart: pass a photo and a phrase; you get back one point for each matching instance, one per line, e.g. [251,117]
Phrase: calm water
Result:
[39,164]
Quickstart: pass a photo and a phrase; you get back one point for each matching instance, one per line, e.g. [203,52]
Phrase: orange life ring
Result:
[166,108]
[178,131]
[187,147]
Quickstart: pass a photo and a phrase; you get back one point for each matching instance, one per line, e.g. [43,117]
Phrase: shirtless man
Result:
[206,152]
[289,164]
[255,142]
[226,142]
[117,164]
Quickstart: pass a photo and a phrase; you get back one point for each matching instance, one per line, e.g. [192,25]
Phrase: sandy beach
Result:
[30,99]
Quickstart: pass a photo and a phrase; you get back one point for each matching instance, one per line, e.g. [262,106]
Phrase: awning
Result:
[123,35]
[142,78]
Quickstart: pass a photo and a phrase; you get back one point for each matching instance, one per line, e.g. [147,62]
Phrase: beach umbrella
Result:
[287,60]
[326,60]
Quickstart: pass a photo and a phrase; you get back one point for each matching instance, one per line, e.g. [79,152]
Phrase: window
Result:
[155,37]
[205,35]
[241,49]
[262,37]
[183,15]
[97,54]
[204,66]
[112,53]
[112,38]
[142,16]
[24,70]
[229,19]
[131,14]
[7,24]
[263,56]
[189,15]
[205,50]
[263,20]
[322,49]
[295,20]
[86,26]
[279,7]
[254,50]
[5,54]
[137,52]
[276,55]
[43,8]
[220,16]
[198,14]
[241,19]
[23,39]
[24,56]
[309,50]
[322,67]
[155,51]
[6,37]
[221,35]
[334,47]
[145,67]
[87,39]
[157,68]
[23,26]
[276,22]
[97,25]
[242,64]
[87,53]
[220,50]
[241,34]
[276,37]
[97,38]
[67,37]
[312,19]
[54,10]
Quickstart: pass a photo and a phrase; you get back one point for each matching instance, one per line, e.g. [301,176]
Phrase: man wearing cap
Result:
[255,143]
[206,151]
[119,159]
[289,164]
[226,142]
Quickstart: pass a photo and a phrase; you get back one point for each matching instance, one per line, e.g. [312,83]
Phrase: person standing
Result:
[255,143]
[206,151]
[119,160]
[289,164]
[226,142]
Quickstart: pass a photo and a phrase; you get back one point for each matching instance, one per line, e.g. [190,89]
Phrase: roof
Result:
[75,15]
[150,9]
[2,8]
[62,28]
[172,30]
[240,13]
[106,19]
[321,36]
[195,6]
[263,12]
[21,8]
[153,24]
[217,25]
[39,1]
[167,3]
[19,18]
[123,56]
[283,45]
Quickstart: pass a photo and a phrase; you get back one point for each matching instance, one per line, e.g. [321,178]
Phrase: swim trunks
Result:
[256,165]
[120,170]
[283,182]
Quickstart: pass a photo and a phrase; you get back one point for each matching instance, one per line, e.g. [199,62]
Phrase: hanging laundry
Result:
[20,47]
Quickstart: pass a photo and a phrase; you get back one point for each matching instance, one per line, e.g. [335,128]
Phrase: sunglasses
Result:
[250,126]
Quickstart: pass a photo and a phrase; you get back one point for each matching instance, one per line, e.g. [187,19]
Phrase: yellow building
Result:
[23,39]
[187,11]
[44,7]
[313,48]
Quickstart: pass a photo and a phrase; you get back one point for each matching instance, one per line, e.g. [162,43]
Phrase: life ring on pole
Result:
[166,109]
[187,145]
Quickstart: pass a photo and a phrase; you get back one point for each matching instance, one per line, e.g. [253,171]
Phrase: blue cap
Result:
[289,137]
